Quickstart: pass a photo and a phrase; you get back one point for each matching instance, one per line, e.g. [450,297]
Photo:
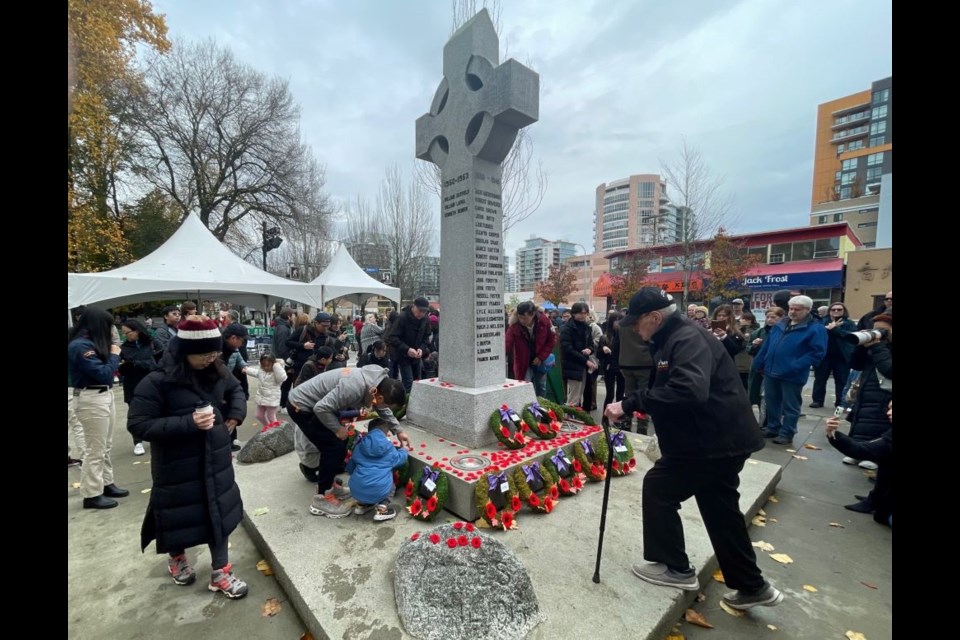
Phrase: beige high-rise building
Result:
[635,212]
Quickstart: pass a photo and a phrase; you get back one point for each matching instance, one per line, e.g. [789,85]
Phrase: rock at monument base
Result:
[477,589]
[269,444]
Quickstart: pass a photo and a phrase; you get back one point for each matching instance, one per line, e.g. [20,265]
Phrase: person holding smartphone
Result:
[726,329]
[880,451]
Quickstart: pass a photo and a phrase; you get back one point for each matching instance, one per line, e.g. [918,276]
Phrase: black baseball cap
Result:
[644,301]
[422,303]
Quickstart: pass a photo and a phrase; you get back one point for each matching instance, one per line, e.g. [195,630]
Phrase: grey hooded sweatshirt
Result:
[346,388]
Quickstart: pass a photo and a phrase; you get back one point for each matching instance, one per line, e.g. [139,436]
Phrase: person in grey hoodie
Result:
[315,407]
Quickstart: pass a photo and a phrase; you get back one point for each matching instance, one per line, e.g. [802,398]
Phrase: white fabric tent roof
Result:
[191,264]
[343,278]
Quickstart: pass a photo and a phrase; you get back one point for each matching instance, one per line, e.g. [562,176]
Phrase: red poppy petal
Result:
[415,536]
[458,525]
[462,540]
[452,543]
[434,538]
[470,526]
[476,542]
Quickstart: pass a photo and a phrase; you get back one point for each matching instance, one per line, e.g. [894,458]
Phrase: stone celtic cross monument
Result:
[473,122]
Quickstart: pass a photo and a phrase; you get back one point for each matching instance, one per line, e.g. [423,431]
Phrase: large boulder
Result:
[269,444]
[478,590]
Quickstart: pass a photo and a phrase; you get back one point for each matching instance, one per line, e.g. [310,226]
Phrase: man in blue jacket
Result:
[706,430]
[795,344]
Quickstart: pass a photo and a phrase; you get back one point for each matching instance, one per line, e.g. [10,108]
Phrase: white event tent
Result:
[343,278]
[191,264]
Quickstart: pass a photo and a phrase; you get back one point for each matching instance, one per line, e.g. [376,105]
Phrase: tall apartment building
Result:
[853,162]
[635,212]
[535,259]
[509,277]
[426,277]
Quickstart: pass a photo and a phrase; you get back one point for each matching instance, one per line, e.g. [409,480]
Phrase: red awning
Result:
[800,266]
[603,285]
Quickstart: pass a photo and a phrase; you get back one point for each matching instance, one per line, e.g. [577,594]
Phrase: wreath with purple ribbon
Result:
[542,419]
[426,497]
[568,480]
[508,427]
[623,461]
[536,487]
[497,500]
[591,457]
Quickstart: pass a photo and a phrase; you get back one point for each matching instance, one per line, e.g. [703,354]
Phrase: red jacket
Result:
[357,326]
[544,337]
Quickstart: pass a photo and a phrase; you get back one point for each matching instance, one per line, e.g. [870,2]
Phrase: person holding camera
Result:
[879,451]
[874,388]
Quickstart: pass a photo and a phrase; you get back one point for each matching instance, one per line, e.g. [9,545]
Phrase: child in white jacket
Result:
[271,375]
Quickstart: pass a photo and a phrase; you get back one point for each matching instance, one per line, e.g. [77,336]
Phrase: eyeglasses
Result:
[207,357]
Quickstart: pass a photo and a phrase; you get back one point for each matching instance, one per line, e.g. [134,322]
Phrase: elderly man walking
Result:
[707,431]
[794,344]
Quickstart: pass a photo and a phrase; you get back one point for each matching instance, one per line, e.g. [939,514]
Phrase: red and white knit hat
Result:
[198,334]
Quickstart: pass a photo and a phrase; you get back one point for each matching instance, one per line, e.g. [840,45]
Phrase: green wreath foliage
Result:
[577,414]
[514,440]
[505,518]
[569,485]
[594,466]
[426,509]
[542,501]
[623,462]
[402,411]
[545,428]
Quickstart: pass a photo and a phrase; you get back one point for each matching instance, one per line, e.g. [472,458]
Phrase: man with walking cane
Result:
[706,431]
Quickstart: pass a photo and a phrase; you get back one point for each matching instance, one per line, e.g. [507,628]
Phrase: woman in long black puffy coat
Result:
[875,360]
[195,499]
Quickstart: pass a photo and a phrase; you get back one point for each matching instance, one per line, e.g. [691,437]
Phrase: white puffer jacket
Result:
[268,391]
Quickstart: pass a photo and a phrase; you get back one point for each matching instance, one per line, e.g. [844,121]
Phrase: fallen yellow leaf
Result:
[147,490]
[855,635]
[270,608]
[718,576]
[265,568]
[810,588]
[782,558]
[736,613]
[482,524]
[773,499]
[693,617]
[837,525]
[812,447]
[752,462]
[772,520]
[307,636]
[759,521]
[763,546]
[137,462]
[771,627]
[75,485]
[675,636]
[800,457]
[761,512]
[791,450]
[260,511]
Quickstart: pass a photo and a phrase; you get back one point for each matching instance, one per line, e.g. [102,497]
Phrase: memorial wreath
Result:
[623,462]
[508,427]
[569,481]
[542,418]
[536,487]
[591,458]
[497,500]
[427,496]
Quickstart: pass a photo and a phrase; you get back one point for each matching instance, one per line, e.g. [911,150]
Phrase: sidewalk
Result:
[114,591]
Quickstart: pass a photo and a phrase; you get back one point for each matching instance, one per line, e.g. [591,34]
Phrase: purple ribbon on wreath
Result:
[587,450]
[560,461]
[505,415]
[617,439]
[532,472]
[430,474]
[537,410]
[494,480]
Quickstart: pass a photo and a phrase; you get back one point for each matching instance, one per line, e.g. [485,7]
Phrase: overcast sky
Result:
[621,82]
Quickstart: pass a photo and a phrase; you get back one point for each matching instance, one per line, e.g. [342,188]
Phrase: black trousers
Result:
[840,369]
[333,450]
[714,484]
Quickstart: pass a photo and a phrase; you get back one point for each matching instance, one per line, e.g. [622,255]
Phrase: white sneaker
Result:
[866,464]
[138,449]
[849,460]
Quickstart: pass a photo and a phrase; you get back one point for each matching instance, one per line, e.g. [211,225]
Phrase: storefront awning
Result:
[802,274]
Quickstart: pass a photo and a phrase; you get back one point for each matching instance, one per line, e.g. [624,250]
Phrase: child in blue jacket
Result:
[371,471]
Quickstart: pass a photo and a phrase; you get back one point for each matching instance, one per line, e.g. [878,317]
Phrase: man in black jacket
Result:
[706,432]
[408,337]
[281,333]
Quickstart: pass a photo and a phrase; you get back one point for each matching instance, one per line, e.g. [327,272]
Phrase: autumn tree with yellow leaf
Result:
[102,36]
[560,283]
[729,263]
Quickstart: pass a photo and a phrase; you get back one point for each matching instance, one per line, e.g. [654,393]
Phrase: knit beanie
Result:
[198,334]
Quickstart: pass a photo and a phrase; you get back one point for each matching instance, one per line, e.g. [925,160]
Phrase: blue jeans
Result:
[409,371]
[539,381]
[783,406]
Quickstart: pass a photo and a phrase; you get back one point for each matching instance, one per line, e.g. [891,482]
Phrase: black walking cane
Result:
[603,508]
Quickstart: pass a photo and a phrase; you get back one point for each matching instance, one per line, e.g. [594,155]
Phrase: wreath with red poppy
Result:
[623,462]
[569,481]
[424,502]
[542,418]
[576,413]
[591,457]
[542,500]
[508,427]
[506,517]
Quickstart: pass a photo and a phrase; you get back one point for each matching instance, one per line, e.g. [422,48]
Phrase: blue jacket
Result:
[85,366]
[789,351]
[371,467]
